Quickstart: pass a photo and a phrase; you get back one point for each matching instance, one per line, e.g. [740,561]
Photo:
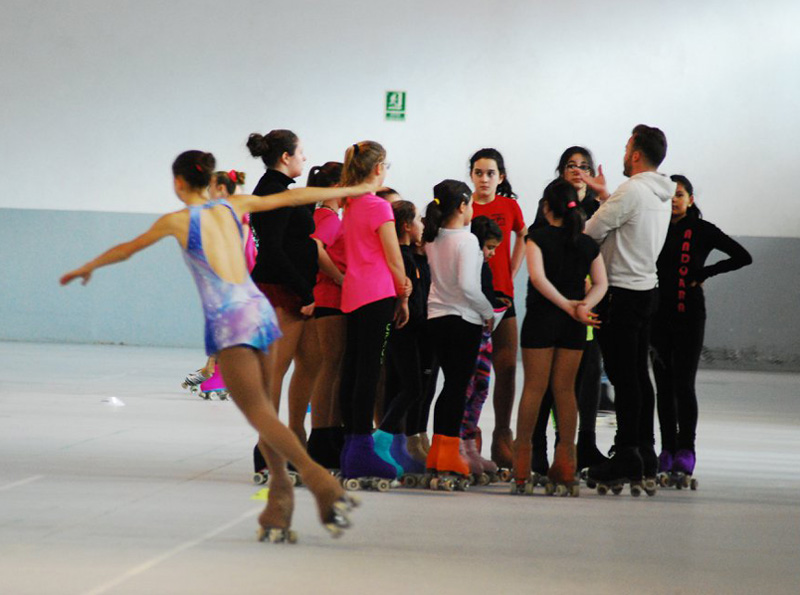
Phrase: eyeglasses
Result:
[582,167]
[387,164]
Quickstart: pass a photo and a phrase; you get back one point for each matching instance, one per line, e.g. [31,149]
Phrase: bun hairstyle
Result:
[448,195]
[230,179]
[687,185]
[325,176]
[504,187]
[486,229]
[404,213]
[562,199]
[359,159]
[195,167]
[272,146]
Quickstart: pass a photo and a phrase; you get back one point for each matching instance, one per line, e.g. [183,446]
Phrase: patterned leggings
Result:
[478,389]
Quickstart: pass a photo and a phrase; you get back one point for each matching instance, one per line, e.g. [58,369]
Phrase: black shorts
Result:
[511,312]
[322,312]
[551,327]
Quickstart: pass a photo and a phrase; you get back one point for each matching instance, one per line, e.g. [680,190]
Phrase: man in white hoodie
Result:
[631,226]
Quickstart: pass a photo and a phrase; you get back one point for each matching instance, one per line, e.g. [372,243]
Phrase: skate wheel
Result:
[575,490]
[693,484]
[529,488]
[616,490]
[409,481]
[591,484]
[260,478]
[636,490]
[504,475]
[463,485]
[663,481]
[382,485]
[446,485]
[602,490]
[549,489]
[483,480]
[434,483]
[352,484]
[561,490]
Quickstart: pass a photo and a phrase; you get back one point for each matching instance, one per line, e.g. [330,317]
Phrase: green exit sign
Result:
[396,105]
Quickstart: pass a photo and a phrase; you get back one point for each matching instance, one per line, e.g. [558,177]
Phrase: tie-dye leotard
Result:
[236,313]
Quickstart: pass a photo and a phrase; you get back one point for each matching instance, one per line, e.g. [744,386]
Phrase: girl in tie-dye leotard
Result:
[240,324]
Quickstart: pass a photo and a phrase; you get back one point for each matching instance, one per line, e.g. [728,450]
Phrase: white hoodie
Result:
[631,226]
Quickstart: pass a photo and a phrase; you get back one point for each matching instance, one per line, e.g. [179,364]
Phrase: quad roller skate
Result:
[525,479]
[482,472]
[680,475]
[649,469]
[625,467]
[502,454]
[338,518]
[447,469]
[561,478]
[362,468]
[261,477]
[193,381]
[276,535]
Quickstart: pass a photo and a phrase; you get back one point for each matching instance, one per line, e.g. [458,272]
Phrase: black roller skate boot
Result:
[625,467]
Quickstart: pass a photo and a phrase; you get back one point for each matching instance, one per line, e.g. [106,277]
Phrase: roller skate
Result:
[625,467]
[447,469]
[587,452]
[665,469]
[524,481]
[561,479]
[193,381]
[649,469]
[501,452]
[362,468]
[383,446]
[483,471]
[274,522]
[682,470]
[323,447]
[261,471]
[214,387]
[413,470]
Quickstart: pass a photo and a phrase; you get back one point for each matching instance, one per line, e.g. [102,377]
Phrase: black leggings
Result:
[367,330]
[419,413]
[403,386]
[625,341]
[676,354]
[456,343]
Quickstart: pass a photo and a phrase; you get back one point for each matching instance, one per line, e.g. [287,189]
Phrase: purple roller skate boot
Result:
[362,468]
[683,468]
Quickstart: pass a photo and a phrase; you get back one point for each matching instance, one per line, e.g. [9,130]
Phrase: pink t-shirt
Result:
[327,294]
[368,277]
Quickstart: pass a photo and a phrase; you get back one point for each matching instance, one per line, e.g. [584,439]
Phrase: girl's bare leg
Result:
[306,368]
[281,353]
[536,365]
[504,363]
[562,381]
[245,373]
[331,332]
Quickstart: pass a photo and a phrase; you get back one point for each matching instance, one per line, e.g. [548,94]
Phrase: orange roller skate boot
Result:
[451,469]
[561,480]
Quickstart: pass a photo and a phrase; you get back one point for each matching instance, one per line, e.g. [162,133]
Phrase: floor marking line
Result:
[21,482]
[145,566]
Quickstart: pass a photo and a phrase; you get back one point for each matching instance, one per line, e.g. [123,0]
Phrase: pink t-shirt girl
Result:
[368,277]
[327,294]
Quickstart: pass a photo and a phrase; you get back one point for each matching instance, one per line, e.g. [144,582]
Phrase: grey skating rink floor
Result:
[154,496]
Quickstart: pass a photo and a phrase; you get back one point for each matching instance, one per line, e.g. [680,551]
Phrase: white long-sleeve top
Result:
[631,227]
[455,259]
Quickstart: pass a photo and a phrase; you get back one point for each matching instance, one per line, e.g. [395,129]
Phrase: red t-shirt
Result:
[508,215]
[327,294]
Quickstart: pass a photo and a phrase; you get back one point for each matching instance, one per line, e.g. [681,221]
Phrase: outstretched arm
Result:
[247,203]
[165,226]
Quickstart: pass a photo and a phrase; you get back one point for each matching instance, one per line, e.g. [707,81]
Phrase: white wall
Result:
[98,97]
